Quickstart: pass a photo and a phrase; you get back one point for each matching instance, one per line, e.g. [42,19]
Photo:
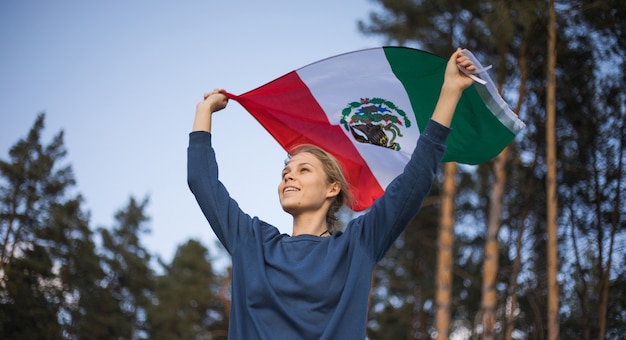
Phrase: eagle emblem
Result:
[375,121]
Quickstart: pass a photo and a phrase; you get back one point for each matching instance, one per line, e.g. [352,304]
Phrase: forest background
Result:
[473,264]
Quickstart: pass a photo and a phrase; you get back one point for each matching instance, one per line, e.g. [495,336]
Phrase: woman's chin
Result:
[289,207]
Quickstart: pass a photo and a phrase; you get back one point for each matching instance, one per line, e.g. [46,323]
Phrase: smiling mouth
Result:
[291,189]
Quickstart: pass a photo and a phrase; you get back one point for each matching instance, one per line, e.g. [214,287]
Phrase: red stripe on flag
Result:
[288,111]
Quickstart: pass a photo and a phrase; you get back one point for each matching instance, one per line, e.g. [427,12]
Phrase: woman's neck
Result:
[311,224]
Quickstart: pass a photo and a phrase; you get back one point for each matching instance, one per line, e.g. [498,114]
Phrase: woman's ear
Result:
[333,189]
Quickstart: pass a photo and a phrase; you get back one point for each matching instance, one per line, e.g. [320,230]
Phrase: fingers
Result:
[460,71]
[215,91]
[467,64]
[460,60]
[216,100]
[464,61]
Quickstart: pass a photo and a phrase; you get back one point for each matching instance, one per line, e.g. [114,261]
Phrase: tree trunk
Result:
[581,292]
[512,301]
[615,223]
[551,223]
[489,300]
[517,263]
[490,265]
[445,252]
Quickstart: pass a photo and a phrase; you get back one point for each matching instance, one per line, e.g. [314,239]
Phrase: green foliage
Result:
[188,304]
[55,283]
[35,251]
[129,277]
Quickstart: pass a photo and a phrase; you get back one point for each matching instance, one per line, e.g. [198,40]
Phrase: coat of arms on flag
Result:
[375,121]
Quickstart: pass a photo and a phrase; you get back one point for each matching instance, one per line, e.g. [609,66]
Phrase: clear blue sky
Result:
[122,79]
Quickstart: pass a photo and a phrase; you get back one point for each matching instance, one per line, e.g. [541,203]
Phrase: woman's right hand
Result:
[212,102]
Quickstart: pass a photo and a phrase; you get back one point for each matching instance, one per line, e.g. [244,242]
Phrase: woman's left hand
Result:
[453,76]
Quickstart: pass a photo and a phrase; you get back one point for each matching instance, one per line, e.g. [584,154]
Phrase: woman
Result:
[315,283]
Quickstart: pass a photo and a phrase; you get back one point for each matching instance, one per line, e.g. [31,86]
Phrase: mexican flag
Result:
[368,107]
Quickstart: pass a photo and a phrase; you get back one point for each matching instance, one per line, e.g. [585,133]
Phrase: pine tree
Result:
[129,278]
[188,306]
[49,265]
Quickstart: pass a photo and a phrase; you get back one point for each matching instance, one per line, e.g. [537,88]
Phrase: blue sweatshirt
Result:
[308,287]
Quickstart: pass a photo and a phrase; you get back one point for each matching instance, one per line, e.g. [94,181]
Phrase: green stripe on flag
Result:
[421,75]
[477,134]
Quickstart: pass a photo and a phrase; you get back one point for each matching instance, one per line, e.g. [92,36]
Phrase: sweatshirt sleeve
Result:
[222,212]
[390,214]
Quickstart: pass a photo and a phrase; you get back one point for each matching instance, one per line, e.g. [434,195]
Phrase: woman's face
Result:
[304,185]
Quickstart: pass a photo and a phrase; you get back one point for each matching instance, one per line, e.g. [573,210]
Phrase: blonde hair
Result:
[334,174]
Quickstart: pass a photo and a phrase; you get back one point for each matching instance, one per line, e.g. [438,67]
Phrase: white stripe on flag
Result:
[337,81]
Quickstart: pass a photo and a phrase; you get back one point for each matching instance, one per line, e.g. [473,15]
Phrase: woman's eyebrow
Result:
[297,165]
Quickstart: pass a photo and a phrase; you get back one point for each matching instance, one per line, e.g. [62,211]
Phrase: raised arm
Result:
[454,83]
[212,102]
[220,210]
[390,214]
